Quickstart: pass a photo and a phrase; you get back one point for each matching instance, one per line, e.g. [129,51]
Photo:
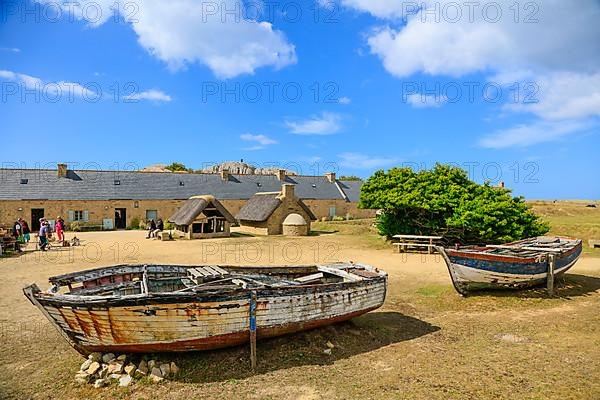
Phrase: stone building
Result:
[265,213]
[115,199]
[202,217]
[295,225]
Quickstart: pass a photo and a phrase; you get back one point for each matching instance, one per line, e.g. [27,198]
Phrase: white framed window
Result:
[78,215]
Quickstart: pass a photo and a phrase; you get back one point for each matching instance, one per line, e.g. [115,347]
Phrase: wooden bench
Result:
[407,241]
[164,235]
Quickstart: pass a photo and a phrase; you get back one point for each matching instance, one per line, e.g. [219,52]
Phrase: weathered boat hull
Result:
[172,322]
[470,272]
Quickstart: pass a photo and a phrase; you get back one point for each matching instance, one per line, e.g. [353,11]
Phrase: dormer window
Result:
[117,182]
[24,181]
[181,183]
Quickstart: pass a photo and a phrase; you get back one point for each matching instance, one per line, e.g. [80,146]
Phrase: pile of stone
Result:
[105,369]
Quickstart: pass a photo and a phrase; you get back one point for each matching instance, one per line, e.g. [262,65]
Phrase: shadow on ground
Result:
[361,335]
[566,286]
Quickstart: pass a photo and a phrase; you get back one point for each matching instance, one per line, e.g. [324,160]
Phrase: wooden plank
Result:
[497,246]
[550,277]
[308,278]
[253,329]
[417,237]
[334,271]
[220,270]
[212,271]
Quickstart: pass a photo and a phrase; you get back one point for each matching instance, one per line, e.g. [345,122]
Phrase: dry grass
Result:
[425,343]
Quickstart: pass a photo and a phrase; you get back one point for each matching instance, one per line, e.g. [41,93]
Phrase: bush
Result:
[74,226]
[445,202]
[135,223]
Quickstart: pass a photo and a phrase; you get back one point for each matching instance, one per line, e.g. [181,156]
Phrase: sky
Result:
[508,90]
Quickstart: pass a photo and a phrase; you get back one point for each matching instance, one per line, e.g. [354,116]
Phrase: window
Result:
[117,182]
[24,181]
[78,215]
[196,228]
[181,183]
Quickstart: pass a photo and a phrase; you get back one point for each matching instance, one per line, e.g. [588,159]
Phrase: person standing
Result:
[18,235]
[43,234]
[60,227]
[25,230]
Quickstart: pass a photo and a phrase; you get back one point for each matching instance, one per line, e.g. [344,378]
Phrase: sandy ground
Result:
[425,342]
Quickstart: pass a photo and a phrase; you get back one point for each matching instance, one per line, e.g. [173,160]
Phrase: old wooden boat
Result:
[164,308]
[519,264]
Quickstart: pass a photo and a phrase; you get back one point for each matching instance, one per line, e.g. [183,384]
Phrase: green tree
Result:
[350,178]
[444,201]
[177,167]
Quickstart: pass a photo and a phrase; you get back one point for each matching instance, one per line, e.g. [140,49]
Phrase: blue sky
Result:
[356,86]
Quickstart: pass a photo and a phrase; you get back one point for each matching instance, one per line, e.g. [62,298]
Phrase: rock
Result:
[82,379]
[122,357]
[329,344]
[140,374]
[155,378]
[125,380]
[108,357]
[114,376]
[115,367]
[174,368]
[95,357]
[103,371]
[327,351]
[156,372]
[93,368]
[151,364]
[130,369]
[143,367]
[100,383]
[86,364]
[165,369]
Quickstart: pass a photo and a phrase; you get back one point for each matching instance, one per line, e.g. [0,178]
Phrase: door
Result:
[120,218]
[36,214]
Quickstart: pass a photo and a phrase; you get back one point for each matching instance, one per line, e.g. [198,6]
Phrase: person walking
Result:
[43,234]
[60,228]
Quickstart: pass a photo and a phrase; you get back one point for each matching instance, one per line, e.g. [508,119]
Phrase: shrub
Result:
[74,226]
[444,201]
[135,223]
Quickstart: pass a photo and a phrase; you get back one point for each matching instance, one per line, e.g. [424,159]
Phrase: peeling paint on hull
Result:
[177,322]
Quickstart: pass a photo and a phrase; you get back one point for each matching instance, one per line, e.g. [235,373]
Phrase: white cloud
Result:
[560,53]
[188,31]
[525,135]
[151,95]
[345,100]
[362,161]
[560,96]
[324,124]
[51,90]
[261,140]
[10,49]
[426,101]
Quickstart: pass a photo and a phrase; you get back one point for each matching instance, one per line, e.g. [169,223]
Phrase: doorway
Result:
[120,218]
[36,214]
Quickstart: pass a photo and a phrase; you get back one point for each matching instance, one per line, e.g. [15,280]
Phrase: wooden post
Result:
[253,329]
[550,278]
[430,245]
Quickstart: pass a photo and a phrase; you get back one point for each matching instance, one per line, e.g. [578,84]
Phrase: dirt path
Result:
[426,342]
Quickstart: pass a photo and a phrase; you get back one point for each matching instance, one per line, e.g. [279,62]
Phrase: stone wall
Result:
[98,210]
[295,230]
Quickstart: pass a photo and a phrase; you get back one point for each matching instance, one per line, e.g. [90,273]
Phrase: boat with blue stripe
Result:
[515,265]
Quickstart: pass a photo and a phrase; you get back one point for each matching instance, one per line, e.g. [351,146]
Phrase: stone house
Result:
[264,213]
[116,199]
[202,217]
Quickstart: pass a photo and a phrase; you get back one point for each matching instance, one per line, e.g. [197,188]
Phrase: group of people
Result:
[22,232]
[154,228]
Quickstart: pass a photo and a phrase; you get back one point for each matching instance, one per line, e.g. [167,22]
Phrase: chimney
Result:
[287,190]
[62,170]
[225,174]
[330,177]
[281,175]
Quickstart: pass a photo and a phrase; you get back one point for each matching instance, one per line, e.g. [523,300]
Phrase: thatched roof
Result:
[196,205]
[260,207]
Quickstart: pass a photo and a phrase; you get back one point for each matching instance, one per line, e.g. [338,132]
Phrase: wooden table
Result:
[416,241]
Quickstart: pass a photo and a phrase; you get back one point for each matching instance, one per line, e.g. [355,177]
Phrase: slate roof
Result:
[194,207]
[351,189]
[119,185]
[260,207]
